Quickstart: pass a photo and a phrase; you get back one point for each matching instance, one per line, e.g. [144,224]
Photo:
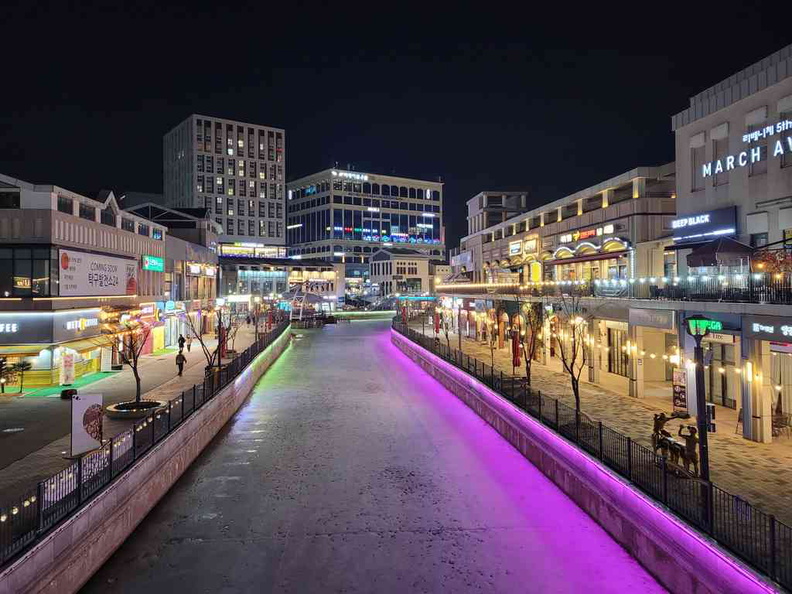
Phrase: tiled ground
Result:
[759,473]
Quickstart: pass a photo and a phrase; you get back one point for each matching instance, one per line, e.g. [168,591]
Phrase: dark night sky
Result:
[488,97]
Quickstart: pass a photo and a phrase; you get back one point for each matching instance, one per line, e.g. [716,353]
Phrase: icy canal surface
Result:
[351,470]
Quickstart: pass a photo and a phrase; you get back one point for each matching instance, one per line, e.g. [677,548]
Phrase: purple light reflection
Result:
[693,550]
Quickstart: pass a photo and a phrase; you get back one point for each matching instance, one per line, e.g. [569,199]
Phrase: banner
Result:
[95,275]
[680,388]
[86,423]
[67,368]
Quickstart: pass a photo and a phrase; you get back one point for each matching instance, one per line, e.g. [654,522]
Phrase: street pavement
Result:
[37,451]
[756,472]
[350,469]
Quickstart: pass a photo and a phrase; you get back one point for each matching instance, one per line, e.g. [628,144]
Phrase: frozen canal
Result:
[351,470]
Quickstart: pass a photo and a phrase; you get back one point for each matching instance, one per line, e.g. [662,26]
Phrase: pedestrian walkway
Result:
[38,451]
[757,472]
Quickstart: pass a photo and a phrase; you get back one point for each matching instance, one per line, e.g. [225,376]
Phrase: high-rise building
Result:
[345,216]
[235,169]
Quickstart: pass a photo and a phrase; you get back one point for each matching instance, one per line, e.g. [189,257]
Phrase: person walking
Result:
[181,342]
[189,342]
[180,361]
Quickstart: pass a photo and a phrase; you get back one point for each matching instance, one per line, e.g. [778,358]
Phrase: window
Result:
[9,199]
[758,239]
[128,225]
[156,233]
[108,218]
[65,205]
[87,212]
[251,227]
[618,359]
[262,229]
[696,164]
[143,230]
[200,164]
[757,166]
[218,205]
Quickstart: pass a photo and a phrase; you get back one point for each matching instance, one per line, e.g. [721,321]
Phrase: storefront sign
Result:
[81,324]
[768,328]
[194,268]
[652,318]
[210,271]
[9,327]
[529,247]
[23,328]
[719,338]
[95,275]
[722,221]
[778,148]
[586,234]
[86,423]
[515,248]
[680,388]
[153,263]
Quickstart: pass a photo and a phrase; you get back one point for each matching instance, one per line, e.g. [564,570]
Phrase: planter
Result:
[134,410]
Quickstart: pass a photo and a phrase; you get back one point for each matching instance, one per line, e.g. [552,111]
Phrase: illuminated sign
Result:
[95,275]
[349,175]
[210,271]
[722,221]
[153,263]
[9,328]
[753,154]
[194,268]
[768,328]
[515,248]
[530,246]
[587,234]
[21,282]
[704,325]
[81,324]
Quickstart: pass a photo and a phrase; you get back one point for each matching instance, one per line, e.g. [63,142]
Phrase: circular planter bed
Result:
[133,410]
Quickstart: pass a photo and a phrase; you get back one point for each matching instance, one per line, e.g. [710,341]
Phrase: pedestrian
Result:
[180,361]
[248,320]
[181,342]
[189,342]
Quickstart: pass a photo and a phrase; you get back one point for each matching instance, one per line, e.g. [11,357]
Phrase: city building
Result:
[70,268]
[400,271]
[235,169]
[345,216]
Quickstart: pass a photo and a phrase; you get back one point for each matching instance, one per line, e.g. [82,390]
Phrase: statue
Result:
[690,455]
[662,439]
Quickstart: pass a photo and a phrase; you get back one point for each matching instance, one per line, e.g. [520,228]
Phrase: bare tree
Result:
[532,322]
[445,324]
[492,333]
[133,339]
[226,330]
[572,340]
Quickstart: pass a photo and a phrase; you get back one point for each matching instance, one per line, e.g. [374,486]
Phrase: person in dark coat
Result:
[181,342]
[180,361]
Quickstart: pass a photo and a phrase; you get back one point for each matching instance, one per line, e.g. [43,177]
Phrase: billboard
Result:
[95,275]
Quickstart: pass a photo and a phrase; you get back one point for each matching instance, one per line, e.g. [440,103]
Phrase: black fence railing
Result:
[28,518]
[740,288]
[751,534]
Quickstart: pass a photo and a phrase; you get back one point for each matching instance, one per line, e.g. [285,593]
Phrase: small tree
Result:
[572,340]
[445,323]
[133,339]
[226,331]
[20,369]
[532,321]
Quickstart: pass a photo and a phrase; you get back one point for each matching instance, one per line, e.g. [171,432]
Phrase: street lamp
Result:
[698,327]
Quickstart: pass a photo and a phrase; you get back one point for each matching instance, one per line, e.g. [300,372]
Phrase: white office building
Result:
[236,169]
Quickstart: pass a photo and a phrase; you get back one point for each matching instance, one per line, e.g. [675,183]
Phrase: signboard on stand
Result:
[67,368]
[680,388]
[86,423]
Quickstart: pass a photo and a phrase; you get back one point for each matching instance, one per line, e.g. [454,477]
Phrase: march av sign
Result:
[753,154]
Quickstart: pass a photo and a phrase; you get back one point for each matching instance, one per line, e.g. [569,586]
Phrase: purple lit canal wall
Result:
[679,557]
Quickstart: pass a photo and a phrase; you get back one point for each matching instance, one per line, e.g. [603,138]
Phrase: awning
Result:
[22,349]
[721,252]
[86,344]
[601,256]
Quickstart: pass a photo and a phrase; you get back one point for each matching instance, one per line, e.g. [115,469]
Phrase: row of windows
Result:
[264,144]
[367,202]
[239,168]
[218,185]
[107,217]
[360,225]
[367,188]
[249,227]
[269,209]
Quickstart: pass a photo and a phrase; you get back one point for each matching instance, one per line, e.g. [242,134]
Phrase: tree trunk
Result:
[576,392]
[21,380]
[137,384]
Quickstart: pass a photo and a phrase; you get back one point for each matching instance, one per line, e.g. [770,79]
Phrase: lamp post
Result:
[698,327]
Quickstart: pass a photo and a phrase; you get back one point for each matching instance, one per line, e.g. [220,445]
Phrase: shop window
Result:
[696,164]
[65,205]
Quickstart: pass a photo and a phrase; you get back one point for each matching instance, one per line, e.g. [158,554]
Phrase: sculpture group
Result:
[672,449]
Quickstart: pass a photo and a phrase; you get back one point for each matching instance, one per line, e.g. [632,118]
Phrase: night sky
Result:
[485,96]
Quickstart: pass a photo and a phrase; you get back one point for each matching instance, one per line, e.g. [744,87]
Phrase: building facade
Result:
[235,169]
[400,271]
[486,209]
[344,217]
[70,268]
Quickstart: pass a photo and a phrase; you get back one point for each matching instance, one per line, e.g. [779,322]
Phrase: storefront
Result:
[60,346]
[591,254]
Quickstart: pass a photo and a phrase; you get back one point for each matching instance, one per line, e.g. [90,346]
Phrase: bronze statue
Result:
[662,439]
[690,455]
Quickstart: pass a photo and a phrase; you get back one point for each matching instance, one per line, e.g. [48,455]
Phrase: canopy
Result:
[720,252]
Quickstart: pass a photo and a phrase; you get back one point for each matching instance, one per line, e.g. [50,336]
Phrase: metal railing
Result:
[25,520]
[751,534]
[745,288]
